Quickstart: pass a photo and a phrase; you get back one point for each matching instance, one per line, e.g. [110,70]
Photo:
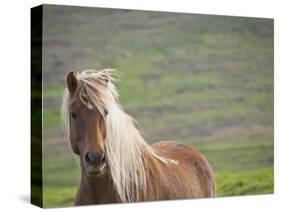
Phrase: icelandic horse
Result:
[117,164]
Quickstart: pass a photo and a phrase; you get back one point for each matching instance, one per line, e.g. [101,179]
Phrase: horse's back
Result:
[191,163]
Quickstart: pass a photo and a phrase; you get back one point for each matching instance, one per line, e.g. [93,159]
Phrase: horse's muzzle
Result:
[94,170]
[95,163]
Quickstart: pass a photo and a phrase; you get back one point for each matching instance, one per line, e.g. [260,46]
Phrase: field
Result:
[205,81]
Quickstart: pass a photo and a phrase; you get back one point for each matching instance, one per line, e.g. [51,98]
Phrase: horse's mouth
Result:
[94,170]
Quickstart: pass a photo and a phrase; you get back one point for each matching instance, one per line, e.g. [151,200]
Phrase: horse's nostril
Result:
[89,157]
[96,159]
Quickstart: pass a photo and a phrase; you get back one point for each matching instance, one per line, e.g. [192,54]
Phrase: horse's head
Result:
[86,110]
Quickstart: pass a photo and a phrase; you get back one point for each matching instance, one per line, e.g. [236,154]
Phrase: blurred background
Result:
[205,81]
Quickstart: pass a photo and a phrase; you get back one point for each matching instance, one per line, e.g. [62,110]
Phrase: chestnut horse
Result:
[117,165]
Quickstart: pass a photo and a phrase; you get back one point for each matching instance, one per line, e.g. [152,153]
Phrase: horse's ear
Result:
[72,82]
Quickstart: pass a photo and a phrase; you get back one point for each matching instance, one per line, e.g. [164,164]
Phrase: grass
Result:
[245,157]
[245,183]
[51,119]
[205,81]
[59,197]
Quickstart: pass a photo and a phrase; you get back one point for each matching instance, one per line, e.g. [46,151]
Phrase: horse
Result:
[117,165]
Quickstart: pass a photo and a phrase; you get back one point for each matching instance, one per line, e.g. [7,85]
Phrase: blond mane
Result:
[125,147]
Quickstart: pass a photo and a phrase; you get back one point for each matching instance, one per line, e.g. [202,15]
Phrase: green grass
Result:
[245,183]
[59,197]
[51,119]
[245,156]
[205,81]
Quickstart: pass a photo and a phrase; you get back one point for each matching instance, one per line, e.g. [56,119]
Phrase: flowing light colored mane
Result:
[125,147]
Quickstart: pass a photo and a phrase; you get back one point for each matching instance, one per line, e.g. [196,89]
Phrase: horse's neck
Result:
[95,190]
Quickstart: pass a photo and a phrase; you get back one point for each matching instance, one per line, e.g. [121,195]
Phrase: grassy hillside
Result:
[206,81]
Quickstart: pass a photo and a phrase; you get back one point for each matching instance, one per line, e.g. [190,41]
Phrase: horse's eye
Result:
[73,115]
